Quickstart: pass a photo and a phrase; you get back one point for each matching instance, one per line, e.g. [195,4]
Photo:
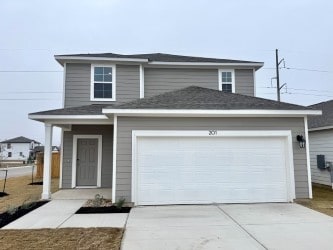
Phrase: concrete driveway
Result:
[254,226]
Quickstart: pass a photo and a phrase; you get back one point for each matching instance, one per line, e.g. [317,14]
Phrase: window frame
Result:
[9,145]
[92,83]
[220,71]
[9,155]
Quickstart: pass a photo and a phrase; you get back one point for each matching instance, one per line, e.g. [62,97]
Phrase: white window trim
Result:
[219,133]
[99,158]
[232,76]
[92,82]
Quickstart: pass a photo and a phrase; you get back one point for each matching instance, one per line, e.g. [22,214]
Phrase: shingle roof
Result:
[20,139]
[195,98]
[202,98]
[326,119]
[94,109]
[162,57]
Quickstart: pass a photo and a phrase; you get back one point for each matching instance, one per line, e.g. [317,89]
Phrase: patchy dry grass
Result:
[322,199]
[62,238]
[20,191]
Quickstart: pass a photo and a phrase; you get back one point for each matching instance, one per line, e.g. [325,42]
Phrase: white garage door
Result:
[194,170]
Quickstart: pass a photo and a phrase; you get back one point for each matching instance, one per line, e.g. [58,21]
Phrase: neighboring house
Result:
[17,149]
[169,129]
[321,144]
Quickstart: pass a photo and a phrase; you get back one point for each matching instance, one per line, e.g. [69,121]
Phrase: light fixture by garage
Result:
[301,141]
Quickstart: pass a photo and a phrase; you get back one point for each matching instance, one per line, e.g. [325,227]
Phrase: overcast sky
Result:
[32,32]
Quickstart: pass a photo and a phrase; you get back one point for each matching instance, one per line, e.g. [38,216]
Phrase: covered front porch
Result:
[86,160]
[82,193]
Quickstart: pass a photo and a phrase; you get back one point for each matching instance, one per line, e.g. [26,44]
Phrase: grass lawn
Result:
[62,238]
[19,191]
[322,199]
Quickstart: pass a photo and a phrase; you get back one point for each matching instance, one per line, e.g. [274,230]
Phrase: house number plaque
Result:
[212,132]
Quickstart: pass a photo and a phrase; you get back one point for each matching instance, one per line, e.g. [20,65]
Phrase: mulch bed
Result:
[101,210]
[2,194]
[13,214]
[36,183]
[100,206]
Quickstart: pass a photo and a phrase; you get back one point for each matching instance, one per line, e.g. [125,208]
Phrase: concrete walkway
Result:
[60,213]
[253,226]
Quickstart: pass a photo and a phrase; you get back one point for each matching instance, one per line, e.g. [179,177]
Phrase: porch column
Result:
[47,162]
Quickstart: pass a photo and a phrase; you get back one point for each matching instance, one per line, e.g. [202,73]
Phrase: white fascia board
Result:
[61,59]
[67,117]
[206,64]
[320,128]
[79,119]
[206,113]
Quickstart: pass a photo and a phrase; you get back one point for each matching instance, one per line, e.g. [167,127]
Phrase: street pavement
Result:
[16,172]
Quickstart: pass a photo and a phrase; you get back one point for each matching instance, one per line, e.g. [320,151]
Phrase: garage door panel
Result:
[173,170]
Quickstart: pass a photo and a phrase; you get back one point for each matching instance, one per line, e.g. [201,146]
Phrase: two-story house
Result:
[170,129]
[17,149]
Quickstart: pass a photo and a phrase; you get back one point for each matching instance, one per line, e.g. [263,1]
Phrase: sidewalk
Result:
[60,213]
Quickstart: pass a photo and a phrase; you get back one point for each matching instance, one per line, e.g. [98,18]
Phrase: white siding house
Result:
[17,149]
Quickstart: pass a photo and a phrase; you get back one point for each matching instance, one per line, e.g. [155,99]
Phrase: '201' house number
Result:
[212,132]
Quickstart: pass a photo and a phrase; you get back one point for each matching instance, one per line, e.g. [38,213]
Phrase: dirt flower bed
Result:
[62,238]
[322,199]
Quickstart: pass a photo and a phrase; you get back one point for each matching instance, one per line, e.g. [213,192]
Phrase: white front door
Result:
[194,170]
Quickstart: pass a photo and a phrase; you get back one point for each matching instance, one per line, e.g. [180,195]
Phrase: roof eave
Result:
[256,65]
[63,59]
[321,128]
[71,119]
[211,113]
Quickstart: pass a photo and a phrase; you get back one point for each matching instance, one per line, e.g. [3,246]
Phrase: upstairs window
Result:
[227,81]
[103,83]
[9,146]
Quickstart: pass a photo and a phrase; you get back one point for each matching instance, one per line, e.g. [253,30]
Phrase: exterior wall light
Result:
[301,141]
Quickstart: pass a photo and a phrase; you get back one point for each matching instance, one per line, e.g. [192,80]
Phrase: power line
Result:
[311,90]
[301,69]
[26,99]
[31,92]
[293,93]
[30,71]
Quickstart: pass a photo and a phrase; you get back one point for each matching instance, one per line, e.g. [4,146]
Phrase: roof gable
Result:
[20,139]
[326,119]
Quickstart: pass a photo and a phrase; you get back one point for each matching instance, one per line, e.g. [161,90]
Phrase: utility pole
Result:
[277,74]
[277,62]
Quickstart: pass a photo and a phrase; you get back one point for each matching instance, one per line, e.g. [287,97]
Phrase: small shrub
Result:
[98,200]
[11,209]
[120,203]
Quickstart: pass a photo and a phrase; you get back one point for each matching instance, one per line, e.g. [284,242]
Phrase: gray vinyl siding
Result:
[160,80]
[107,152]
[127,124]
[321,143]
[244,82]
[77,84]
